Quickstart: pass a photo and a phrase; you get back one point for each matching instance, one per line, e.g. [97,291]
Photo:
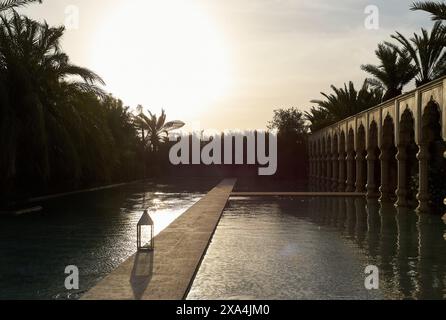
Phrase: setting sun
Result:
[162,54]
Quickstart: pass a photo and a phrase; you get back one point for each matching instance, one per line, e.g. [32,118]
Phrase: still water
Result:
[95,231]
[319,249]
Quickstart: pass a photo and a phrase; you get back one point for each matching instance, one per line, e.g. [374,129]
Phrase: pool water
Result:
[319,249]
[94,231]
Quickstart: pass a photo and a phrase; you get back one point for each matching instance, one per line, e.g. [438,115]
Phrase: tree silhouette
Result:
[438,10]
[156,127]
[343,103]
[53,114]
[394,71]
[427,51]
[12,4]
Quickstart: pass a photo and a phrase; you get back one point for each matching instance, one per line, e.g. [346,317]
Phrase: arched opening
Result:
[342,163]
[407,156]
[389,165]
[361,163]
[433,142]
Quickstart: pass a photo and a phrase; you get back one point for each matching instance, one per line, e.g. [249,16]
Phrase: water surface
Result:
[95,231]
[319,249]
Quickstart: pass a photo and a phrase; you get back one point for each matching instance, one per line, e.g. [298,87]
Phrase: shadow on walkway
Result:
[141,273]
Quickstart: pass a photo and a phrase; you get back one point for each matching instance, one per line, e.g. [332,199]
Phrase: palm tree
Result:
[319,118]
[156,127]
[347,101]
[394,71]
[438,10]
[38,86]
[11,4]
[427,51]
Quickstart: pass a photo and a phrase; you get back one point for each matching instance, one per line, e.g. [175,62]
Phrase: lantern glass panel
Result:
[146,237]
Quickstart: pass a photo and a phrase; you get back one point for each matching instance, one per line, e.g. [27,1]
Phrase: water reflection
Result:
[94,231]
[330,241]
[409,249]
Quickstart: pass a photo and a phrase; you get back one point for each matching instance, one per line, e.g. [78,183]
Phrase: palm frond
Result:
[173,125]
[436,9]
[11,4]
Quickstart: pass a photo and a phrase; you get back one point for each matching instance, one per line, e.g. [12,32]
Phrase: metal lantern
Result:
[145,233]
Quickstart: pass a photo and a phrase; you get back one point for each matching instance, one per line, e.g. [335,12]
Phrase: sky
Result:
[225,64]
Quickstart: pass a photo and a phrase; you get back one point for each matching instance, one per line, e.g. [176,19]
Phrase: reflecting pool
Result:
[94,231]
[319,249]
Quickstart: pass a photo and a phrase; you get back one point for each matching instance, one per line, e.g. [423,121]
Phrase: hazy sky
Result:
[226,64]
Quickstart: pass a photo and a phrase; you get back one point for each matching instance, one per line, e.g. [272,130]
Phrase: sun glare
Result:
[162,54]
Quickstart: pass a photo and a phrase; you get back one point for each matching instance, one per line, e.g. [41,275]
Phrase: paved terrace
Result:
[168,272]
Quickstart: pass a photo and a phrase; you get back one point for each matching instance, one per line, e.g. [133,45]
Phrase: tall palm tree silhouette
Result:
[36,76]
[343,103]
[394,71]
[427,51]
[348,101]
[156,127]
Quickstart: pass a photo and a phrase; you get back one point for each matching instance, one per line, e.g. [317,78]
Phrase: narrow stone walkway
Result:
[297,194]
[168,272]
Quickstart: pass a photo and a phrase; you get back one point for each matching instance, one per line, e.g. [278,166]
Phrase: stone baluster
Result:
[401,192]
[350,171]
[423,194]
[342,174]
[386,195]
[335,173]
[329,173]
[360,174]
[371,183]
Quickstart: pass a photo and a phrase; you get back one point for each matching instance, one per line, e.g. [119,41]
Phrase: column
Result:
[329,167]
[310,167]
[350,171]
[335,174]
[323,173]
[385,171]
[342,174]
[401,192]
[423,195]
[318,171]
[371,183]
[360,174]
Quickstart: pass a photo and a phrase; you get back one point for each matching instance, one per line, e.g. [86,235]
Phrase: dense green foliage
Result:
[292,134]
[393,73]
[58,129]
[343,103]
[289,121]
